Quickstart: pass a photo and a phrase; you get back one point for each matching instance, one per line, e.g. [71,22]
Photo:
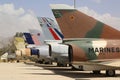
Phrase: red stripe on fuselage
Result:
[54,34]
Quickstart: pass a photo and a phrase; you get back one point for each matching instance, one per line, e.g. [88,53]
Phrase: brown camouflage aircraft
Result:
[92,45]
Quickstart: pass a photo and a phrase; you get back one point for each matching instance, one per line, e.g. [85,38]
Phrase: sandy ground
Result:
[21,71]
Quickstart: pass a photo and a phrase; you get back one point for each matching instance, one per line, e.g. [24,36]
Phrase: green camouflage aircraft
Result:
[92,45]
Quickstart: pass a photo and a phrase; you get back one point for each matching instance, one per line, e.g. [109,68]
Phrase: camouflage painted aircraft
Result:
[89,43]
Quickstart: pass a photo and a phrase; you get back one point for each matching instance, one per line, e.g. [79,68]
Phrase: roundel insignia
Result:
[72,17]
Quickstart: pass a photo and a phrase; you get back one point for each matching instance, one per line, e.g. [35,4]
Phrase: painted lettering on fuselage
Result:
[104,50]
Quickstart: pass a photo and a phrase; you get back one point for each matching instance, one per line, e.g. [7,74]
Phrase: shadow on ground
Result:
[68,72]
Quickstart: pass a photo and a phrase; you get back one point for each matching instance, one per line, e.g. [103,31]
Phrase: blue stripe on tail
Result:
[28,38]
[61,35]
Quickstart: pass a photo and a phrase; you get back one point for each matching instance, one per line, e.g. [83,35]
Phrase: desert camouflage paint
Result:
[75,24]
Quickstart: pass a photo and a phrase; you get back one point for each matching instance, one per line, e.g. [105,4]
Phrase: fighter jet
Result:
[33,43]
[88,43]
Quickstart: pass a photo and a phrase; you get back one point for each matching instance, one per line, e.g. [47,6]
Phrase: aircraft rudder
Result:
[76,24]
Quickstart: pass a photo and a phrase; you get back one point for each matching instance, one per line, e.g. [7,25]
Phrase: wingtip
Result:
[60,6]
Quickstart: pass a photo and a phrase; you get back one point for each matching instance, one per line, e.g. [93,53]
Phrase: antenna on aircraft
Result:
[74,3]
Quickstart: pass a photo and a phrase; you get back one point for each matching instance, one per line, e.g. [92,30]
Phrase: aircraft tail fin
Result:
[28,38]
[50,29]
[75,24]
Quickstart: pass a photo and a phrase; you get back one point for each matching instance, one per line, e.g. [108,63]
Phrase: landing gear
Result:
[18,61]
[40,61]
[96,72]
[48,62]
[76,67]
[44,62]
[110,73]
[61,64]
[73,68]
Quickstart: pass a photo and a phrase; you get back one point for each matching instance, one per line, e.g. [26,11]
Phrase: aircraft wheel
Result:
[58,64]
[80,68]
[39,61]
[18,61]
[48,62]
[64,65]
[73,68]
[110,73]
[96,72]
[61,65]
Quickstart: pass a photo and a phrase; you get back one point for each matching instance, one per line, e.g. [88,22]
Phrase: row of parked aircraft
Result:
[85,43]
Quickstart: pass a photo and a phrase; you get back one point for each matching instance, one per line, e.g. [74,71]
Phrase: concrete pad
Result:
[21,71]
